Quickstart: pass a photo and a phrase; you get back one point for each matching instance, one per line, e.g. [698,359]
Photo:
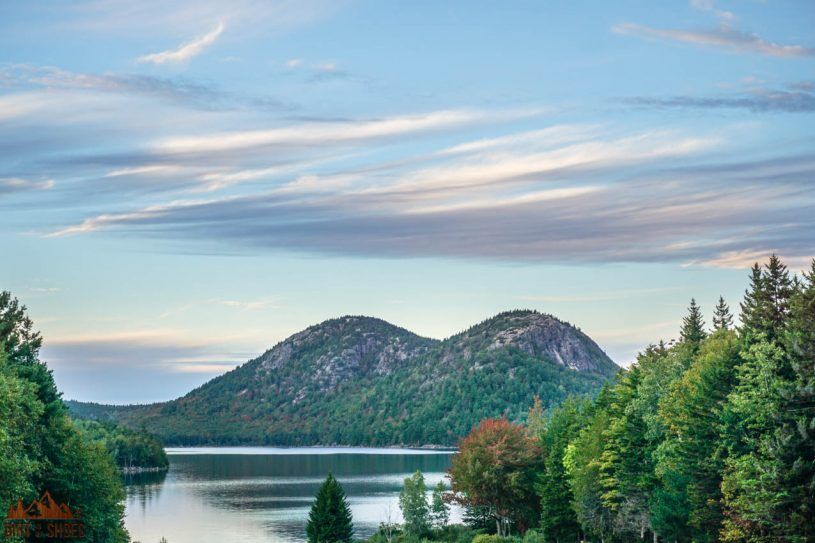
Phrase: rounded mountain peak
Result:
[540,335]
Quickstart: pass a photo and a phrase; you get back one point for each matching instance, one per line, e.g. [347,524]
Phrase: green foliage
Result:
[40,447]
[558,518]
[722,318]
[439,509]
[488,538]
[129,448]
[689,460]
[20,341]
[329,520]
[413,503]
[712,439]
[693,326]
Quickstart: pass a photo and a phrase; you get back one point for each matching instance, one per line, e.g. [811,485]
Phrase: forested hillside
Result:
[363,381]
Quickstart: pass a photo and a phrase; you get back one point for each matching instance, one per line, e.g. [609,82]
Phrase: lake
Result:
[263,494]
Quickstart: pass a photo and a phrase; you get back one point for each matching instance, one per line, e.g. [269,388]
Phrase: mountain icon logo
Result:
[45,508]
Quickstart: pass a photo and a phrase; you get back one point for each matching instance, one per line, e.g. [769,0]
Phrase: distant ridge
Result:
[359,380]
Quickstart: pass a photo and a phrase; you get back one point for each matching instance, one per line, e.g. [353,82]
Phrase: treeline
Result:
[41,448]
[709,438]
[132,450]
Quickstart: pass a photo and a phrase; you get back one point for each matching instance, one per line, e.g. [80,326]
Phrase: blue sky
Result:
[184,184]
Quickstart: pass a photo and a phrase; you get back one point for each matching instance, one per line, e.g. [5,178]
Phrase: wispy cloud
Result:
[710,6]
[18,184]
[185,51]
[725,37]
[310,134]
[798,98]
[248,305]
[595,199]
[173,90]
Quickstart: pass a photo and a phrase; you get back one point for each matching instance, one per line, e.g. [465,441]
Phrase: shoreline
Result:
[133,470]
[316,449]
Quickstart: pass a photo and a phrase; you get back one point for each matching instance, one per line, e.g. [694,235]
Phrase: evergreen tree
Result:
[690,458]
[756,302]
[558,518]
[796,435]
[780,289]
[413,503]
[766,303]
[722,318]
[439,510]
[693,326]
[582,463]
[329,520]
[751,485]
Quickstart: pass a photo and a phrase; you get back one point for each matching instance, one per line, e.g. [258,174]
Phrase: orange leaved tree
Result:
[495,471]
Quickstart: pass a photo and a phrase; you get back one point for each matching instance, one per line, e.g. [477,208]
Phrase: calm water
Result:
[248,494]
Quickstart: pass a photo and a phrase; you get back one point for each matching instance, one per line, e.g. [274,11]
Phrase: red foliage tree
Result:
[495,470]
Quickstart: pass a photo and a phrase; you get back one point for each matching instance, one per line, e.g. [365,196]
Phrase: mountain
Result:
[362,381]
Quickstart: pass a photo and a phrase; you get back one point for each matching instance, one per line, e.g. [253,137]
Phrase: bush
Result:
[491,538]
[533,536]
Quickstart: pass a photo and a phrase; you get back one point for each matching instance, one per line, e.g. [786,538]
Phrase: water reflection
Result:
[265,495]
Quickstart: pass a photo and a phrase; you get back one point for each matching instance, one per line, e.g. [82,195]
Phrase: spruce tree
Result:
[693,326]
[796,435]
[755,303]
[779,289]
[330,518]
[722,318]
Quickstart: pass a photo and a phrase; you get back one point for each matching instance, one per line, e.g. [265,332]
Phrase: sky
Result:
[183,184]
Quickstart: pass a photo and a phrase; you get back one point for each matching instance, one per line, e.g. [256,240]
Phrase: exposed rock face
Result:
[537,334]
[346,348]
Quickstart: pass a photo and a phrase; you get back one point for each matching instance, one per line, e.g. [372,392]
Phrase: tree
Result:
[722,318]
[779,289]
[495,471]
[329,520]
[413,502]
[558,518]
[21,343]
[693,325]
[439,509]
[766,303]
[582,463]
[796,433]
[690,458]
[751,486]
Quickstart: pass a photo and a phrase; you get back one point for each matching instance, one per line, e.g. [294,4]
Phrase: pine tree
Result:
[722,318]
[766,303]
[413,503]
[755,303]
[558,518]
[439,510]
[796,435]
[693,326]
[780,290]
[330,518]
